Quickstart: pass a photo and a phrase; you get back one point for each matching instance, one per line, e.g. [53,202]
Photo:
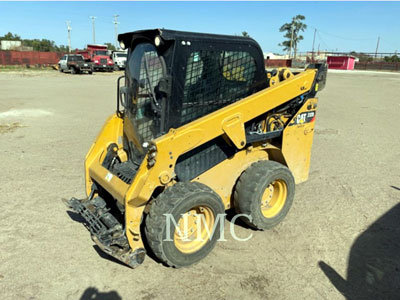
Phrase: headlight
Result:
[122,45]
[96,61]
[157,40]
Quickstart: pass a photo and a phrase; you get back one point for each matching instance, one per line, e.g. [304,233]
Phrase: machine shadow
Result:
[78,218]
[231,213]
[92,293]
[373,270]
[105,256]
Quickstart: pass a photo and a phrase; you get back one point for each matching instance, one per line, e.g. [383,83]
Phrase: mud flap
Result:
[106,231]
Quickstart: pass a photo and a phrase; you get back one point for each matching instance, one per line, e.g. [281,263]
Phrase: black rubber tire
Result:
[90,72]
[251,186]
[60,69]
[177,200]
[72,70]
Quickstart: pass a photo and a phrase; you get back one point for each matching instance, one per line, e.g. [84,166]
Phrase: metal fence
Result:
[376,65]
[360,56]
[389,61]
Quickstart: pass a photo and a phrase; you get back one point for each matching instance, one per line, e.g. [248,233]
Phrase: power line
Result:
[313,43]
[93,29]
[116,30]
[377,46]
[322,40]
[389,42]
[69,28]
[354,39]
[343,38]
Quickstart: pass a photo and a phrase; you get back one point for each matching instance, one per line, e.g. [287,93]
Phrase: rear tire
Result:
[191,199]
[265,193]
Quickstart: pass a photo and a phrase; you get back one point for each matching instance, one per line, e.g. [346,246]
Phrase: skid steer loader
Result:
[200,127]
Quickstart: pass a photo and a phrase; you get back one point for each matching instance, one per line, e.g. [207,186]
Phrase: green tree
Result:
[10,37]
[295,27]
[44,45]
[110,46]
[62,48]
[393,58]
[244,33]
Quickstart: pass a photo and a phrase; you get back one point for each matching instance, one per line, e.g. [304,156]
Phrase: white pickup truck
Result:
[119,58]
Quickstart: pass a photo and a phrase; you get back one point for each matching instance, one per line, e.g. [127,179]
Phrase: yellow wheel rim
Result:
[192,236]
[274,198]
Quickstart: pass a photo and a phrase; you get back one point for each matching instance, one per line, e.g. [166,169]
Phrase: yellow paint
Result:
[296,143]
[110,133]
[223,176]
[273,198]
[193,229]
[233,126]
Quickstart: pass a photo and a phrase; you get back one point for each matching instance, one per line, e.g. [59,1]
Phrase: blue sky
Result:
[342,26]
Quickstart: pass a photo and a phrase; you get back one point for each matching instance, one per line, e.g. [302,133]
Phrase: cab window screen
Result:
[145,71]
[215,79]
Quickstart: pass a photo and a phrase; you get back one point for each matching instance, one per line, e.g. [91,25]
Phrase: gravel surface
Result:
[49,120]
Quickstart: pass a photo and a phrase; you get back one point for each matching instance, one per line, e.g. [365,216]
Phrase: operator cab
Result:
[175,77]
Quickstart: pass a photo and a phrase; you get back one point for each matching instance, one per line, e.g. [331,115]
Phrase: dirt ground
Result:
[344,221]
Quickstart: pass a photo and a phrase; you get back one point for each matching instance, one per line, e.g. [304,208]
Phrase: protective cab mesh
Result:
[215,79]
[150,64]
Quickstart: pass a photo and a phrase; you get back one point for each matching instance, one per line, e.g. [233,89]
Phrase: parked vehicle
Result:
[97,54]
[75,64]
[119,59]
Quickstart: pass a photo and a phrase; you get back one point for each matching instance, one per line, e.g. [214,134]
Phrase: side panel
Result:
[179,141]
[110,133]
[222,178]
[297,140]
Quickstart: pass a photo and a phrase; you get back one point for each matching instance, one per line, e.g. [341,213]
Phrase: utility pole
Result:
[291,40]
[94,30]
[116,30]
[377,45]
[313,42]
[69,35]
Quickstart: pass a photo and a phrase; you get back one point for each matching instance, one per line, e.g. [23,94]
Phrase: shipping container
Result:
[341,62]
[29,58]
[10,45]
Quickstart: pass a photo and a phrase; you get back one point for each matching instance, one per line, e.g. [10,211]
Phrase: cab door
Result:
[63,62]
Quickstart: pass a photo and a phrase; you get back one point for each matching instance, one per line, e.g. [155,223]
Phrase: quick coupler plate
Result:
[105,230]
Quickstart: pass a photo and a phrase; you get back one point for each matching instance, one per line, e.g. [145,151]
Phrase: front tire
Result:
[264,193]
[73,71]
[198,205]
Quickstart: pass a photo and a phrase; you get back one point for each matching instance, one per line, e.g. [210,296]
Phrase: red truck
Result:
[99,56]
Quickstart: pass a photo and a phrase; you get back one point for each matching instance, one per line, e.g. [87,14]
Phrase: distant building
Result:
[270,55]
[10,45]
